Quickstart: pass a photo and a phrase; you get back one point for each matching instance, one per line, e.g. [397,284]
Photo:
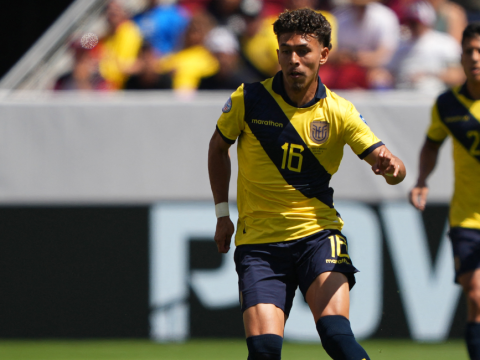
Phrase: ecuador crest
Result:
[319,131]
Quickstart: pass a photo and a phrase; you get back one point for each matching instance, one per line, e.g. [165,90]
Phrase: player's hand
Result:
[418,197]
[223,234]
[386,164]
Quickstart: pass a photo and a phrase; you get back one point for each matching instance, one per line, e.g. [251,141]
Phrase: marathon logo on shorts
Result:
[228,106]
[338,261]
[319,131]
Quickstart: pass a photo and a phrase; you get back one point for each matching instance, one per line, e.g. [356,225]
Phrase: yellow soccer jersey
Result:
[456,114]
[286,158]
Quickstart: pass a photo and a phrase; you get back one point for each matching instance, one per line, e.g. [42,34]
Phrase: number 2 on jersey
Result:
[289,149]
[475,149]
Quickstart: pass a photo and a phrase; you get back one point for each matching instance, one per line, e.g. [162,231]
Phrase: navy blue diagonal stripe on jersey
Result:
[313,180]
[449,106]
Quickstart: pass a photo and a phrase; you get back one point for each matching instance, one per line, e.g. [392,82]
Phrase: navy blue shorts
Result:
[466,250]
[270,273]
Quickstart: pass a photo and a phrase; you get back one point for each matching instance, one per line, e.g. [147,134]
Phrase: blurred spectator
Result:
[232,72]
[368,35]
[451,18]
[368,32]
[193,6]
[429,60]
[259,44]
[119,48]
[146,75]
[194,61]
[84,75]
[472,7]
[162,25]
[228,13]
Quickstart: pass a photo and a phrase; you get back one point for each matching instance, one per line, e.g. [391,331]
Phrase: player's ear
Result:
[278,59]
[324,55]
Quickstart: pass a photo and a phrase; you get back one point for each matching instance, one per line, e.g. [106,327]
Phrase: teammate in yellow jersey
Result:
[457,113]
[291,131]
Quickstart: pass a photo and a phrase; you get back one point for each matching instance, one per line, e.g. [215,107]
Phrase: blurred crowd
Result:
[190,45]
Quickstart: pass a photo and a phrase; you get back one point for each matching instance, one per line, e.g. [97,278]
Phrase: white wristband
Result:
[221,210]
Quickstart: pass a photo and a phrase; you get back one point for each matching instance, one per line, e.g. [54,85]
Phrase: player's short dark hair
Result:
[305,22]
[471,31]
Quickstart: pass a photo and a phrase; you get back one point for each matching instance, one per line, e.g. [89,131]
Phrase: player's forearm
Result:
[219,170]
[428,160]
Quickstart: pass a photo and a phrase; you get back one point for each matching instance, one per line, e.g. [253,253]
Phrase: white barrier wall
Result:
[144,147]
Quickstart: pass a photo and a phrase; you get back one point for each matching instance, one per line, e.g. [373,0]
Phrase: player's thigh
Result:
[466,251]
[267,285]
[263,319]
[470,283]
[329,294]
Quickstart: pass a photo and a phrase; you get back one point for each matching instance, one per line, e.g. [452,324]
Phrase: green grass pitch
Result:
[214,350]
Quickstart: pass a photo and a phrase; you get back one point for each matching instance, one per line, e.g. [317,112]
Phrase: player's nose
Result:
[294,59]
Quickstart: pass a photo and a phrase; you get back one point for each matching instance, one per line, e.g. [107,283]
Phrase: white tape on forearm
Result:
[221,210]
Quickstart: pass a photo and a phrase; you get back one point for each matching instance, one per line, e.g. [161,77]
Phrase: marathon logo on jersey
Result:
[319,131]
[267,122]
[452,119]
[228,106]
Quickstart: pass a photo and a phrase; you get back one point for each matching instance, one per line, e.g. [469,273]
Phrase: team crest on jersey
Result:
[228,106]
[319,131]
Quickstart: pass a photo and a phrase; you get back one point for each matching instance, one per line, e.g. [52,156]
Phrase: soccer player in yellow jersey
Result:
[291,131]
[457,113]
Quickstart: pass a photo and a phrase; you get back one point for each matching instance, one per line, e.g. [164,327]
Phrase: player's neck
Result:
[473,89]
[302,97]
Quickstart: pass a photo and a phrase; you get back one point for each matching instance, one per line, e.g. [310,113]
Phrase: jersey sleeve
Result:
[436,132]
[358,134]
[232,121]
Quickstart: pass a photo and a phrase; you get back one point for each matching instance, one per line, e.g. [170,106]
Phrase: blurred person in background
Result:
[472,7]
[228,13]
[223,44]
[451,18]
[119,48]
[193,61]
[146,74]
[163,24]
[368,36]
[84,74]
[258,42]
[429,59]
[456,113]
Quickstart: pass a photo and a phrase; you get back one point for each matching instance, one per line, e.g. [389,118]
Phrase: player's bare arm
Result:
[386,164]
[428,159]
[219,171]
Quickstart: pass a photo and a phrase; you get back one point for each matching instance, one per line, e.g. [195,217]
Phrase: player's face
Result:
[300,57]
[471,58]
